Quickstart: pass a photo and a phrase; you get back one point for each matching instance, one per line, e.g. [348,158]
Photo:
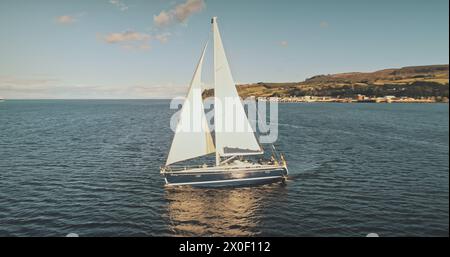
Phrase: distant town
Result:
[357,99]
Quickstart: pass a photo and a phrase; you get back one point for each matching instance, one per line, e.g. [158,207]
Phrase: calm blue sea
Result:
[91,167]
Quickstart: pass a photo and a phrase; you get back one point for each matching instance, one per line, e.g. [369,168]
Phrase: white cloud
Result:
[168,90]
[132,40]
[144,46]
[119,4]
[163,37]
[162,19]
[66,19]
[51,88]
[128,40]
[179,13]
[127,36]
[11,82]
[324,24]
[69,19]
[184,11]
[35,87]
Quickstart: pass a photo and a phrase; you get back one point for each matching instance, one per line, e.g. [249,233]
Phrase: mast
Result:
[214,20]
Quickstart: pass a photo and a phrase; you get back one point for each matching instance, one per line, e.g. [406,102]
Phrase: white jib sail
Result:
[233,132]
[192,136]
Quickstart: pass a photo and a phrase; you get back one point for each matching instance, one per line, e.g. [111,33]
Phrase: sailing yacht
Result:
[232,147]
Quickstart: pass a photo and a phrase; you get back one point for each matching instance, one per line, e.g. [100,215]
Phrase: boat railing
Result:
[178,168]
[277,159]
[183,167]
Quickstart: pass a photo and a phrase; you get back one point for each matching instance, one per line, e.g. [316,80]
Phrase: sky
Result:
[110,49]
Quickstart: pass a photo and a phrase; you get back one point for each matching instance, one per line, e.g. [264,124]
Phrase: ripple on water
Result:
[91,168]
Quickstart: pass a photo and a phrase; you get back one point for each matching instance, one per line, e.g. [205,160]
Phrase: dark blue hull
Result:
[226,177]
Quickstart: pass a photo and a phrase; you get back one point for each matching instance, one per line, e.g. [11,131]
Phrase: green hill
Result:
[417,81]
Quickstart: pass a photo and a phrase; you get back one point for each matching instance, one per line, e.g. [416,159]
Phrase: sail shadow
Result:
[219,212]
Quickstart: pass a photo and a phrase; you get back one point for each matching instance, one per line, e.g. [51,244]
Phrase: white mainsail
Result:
[192,137]
[233,132]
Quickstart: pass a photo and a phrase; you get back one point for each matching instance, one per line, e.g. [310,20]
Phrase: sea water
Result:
[91,167]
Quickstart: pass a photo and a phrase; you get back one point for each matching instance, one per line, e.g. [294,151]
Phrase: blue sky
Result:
[149,49]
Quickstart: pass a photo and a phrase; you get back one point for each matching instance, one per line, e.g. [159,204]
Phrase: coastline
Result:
[358,99]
